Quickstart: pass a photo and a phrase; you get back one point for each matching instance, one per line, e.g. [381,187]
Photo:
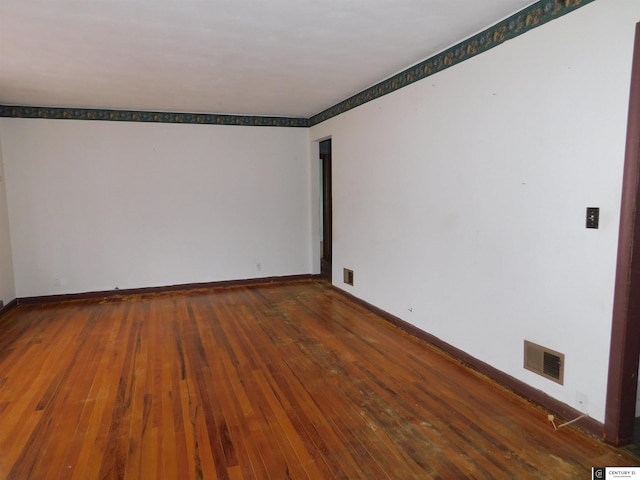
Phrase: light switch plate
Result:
[593,217]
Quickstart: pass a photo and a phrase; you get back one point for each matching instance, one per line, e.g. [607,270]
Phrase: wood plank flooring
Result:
[274,382]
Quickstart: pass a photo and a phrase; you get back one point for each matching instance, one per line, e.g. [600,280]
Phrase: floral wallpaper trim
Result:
[531,17]
[527,19]
[157,117]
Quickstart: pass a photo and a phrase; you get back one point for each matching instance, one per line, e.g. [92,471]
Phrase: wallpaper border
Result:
[525,20]
[153,117]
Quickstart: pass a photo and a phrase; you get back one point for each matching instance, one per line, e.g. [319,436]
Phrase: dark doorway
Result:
[620,412]
[325,165]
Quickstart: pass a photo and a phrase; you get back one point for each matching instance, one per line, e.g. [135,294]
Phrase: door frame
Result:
[625,331]
[326,253]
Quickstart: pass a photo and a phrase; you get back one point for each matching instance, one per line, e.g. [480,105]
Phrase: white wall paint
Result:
[7,284]
[460,201]
[98,205]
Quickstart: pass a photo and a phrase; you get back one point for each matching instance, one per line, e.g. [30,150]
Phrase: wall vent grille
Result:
[348,276]
[544,361]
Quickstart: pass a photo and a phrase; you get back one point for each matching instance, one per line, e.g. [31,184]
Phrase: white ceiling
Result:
[250,57]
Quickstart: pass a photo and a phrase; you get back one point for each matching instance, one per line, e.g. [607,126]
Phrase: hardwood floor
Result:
[271,382]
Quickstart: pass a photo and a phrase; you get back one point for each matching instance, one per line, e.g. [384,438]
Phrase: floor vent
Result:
[543,361]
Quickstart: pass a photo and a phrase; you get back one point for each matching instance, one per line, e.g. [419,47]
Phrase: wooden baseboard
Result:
[518,387]
[168,288]
[5,309]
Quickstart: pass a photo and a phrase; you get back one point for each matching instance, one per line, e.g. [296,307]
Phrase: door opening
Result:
[326,218]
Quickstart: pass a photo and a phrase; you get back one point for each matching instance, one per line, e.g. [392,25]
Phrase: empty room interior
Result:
[333,239]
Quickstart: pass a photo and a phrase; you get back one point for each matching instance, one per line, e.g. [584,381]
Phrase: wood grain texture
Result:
[622,383]
[280,381]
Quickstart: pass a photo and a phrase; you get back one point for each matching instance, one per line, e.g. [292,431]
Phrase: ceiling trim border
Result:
[525,20]
[151,117]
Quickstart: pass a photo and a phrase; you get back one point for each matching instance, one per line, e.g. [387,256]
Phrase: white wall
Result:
[459,202]
[98,205]
[7,285]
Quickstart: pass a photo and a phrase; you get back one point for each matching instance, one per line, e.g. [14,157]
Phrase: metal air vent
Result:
[544,361]
[348,276]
